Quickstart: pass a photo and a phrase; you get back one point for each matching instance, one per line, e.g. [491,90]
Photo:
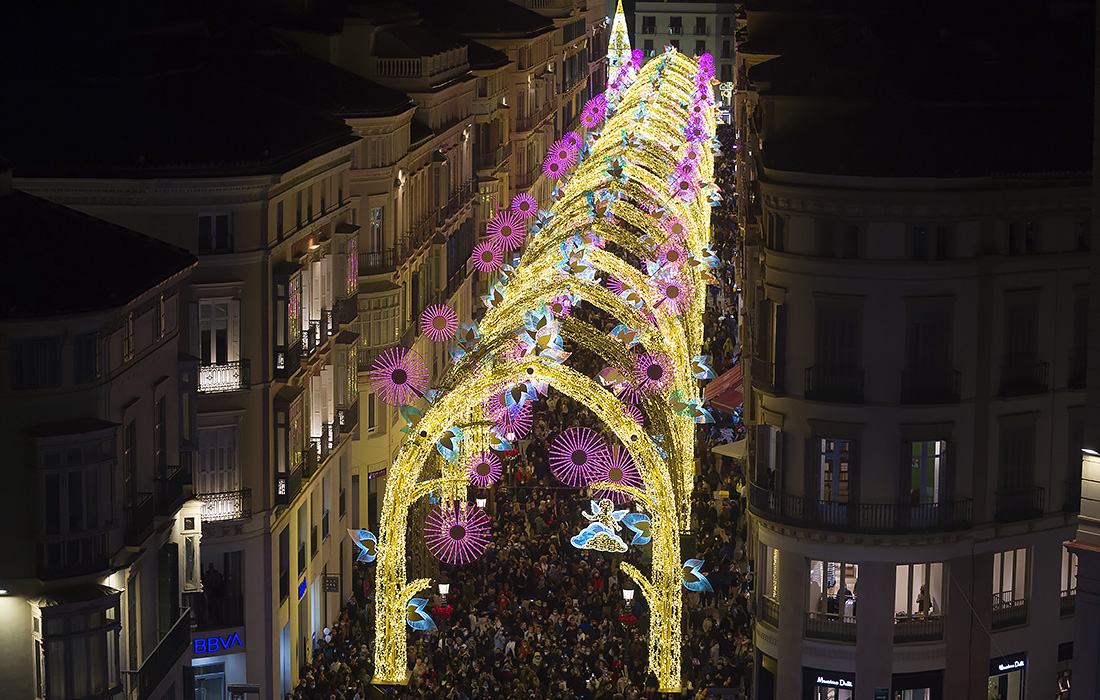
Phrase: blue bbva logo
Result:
[209,645]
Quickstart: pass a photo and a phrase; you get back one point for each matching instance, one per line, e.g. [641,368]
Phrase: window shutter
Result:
[193,311]
[905,480]
[234,330]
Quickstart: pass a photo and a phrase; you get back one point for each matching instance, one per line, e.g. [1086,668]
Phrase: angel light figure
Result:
[600,533]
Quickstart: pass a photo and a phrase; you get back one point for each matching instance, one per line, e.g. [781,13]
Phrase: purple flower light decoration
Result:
[572,140]
[560,305]
[590,119]
[525,206]
[483,469]
[635,413]
[439,322]
[399,376]
[575,454]
[683,187]
[619,468]
[673,294]
[615,285]
[671,254]
[695,130]
[675,228]
[636,58]
[487,257]
[514,423]
[506,230]
[653,372]
[457,534]
[553,168]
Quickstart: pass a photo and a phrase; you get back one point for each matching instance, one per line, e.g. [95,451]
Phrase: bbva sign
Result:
[209,645]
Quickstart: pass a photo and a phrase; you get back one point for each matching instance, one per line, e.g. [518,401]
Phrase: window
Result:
[776,233]
[838,345]
[129,461]
[701,27]
[727,52]
[217,460]
[928,339]
[726,73]
[79,648]
[1083,229]
[284,563]
[700,47]
[649,24]
[918,590]
[833,588]
[219,331]
[1022,237]
[1069,573]
[675,25]
[372,420]
[160,435]
[1010,577]
[36,364]
[920,244]
[1017,458]
[309,203]
[926,471]
[128,338]
[161,320]
[835,459]
[352,282]
[675,42]
[374,230]
[279,220]
[215,233]
[86,358]
[769,571]
[648,48]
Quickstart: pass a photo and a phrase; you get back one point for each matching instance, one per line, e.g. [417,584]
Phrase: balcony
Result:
[343,502]
[1078,367]
[344,311]
[530,121]
[1022,503]
[676,31]
[310,457]
[288,361]
[1008,613]
[456,203]
[301,558]
[75,555]
[348,418]
[702,31]
[284,585]
[526,180]
[830,627]
[769,611]
[228,376]
[171,490]
[312,339]
[139,517]
[489,160]
[869,518]
[910,629]
[836,385]
[226,505]
[324,526]
[288,486]
[930,386]
[1067,605]
[767,376]
[1023,375]
[220,613]
[161,660]
[649,29]
[381,261]
[313,542]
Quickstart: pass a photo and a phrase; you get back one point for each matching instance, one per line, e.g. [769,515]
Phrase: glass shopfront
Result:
[1006,677]
[925,685]
[819,684]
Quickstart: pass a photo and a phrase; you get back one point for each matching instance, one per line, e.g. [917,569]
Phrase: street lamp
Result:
[444,587]
[481,502]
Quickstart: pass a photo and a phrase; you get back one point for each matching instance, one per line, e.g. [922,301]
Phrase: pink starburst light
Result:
[615,285]
[572,140]
[525,206]
[553,168]
[695,130]
[635,413]
[487,257]
[457,534]
[506,230]
[575,454]
[675,228]
[515,424]
[590,119]
[399,376]
[683,187]
[673,294]
[619,468]
[560,305]
[560,152]
[636,57]
[483,469]
[494,407]
[653,372]
[439,322]
[671,254]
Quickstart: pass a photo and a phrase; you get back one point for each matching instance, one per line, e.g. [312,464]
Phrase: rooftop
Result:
[108,265]
[485,19]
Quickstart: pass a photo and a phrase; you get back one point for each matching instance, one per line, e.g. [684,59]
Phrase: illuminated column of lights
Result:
[649,153]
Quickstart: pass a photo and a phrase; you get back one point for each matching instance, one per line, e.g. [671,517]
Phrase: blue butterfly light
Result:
[367,544]
[694,579]
[416,617]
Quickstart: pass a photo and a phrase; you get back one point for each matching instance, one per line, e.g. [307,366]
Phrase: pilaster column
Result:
[793,582]
[874,628]
[969,584]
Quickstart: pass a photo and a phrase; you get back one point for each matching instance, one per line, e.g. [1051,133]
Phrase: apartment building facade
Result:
[102,541]
[914,334]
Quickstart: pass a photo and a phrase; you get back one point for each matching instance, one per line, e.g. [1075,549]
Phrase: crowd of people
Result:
[534,617]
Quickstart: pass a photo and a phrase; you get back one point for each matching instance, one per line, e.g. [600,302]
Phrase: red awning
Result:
[724,393]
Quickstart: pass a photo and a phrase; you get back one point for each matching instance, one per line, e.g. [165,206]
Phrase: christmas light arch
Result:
[627,166]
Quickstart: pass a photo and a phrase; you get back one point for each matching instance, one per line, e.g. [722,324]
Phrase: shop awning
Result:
[724,393]
[730,449]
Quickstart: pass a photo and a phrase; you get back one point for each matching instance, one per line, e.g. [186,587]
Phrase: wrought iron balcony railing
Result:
[226,376]
[171,490]
[348,418]
[910,629]
[930,386]
[871,518]
[1023,375]
[288,360]
[163,657]
[830,627]
[769,611]
[1022,503]
[139,517]
[767,376]
[1067,605]
[838,385]
[226,505]
[75,555]
[1008,613]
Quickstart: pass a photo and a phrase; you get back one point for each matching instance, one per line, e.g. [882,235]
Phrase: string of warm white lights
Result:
[635,187]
